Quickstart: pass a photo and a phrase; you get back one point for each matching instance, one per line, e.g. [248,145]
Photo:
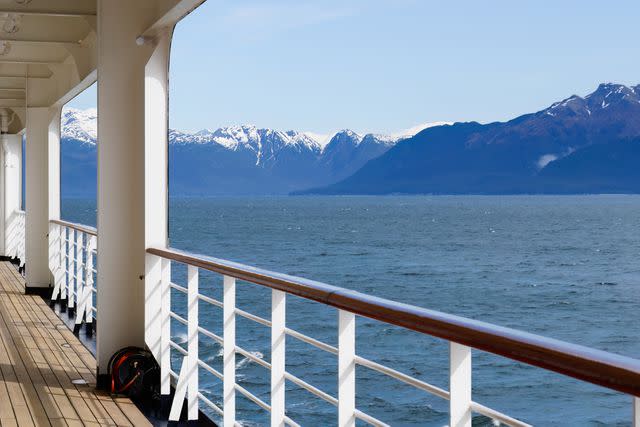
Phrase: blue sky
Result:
[387,65]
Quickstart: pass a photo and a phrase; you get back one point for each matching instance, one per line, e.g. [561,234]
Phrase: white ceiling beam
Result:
[52,43]
[38,41]
[170,18]
[27,62]
[22,76]
[50,12]
[12,102]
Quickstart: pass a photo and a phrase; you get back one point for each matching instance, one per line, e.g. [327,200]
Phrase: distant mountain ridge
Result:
[585,144]
[230,160]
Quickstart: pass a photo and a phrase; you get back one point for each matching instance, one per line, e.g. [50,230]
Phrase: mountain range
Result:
[587,144]
[230,160]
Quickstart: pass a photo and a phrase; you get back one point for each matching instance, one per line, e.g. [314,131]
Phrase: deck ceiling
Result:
[37,35]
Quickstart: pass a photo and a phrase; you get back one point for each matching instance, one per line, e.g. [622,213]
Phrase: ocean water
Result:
[566,267]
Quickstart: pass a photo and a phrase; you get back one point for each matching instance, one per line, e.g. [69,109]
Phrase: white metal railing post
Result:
[79,277]
[22,240]
[278,335]
[55,258]
[91,247]
[192,342]
[64,241]
[71,278]
[459,385]
[229,351]
[346,368]
[636,411]
[165,333]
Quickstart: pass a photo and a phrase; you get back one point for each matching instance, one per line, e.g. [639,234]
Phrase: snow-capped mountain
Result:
[587,144]
[238,159]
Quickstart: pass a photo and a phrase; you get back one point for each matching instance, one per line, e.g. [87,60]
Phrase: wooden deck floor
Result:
[39,358]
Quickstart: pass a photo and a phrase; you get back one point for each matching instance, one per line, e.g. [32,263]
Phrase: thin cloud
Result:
[260,19]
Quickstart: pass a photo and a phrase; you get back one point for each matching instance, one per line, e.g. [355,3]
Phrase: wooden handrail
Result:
[598,367]
[78,227]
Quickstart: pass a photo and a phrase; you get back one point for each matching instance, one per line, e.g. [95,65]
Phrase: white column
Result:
[156,187]
[12,190]
[53,161]
[121,176]
[53,173]
[459,385]
[42,195]
[36,198]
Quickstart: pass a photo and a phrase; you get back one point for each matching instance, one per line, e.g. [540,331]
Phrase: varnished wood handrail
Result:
[78,227]
[598,367]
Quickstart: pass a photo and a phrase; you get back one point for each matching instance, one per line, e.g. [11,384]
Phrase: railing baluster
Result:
[192,342]
[459,385]
[182,387]
[636,411]
[165,334]
[229,351]
[88,314]
[55,259]
[80,290]
[346,368]
[278,335]
[65,251]
[71,276]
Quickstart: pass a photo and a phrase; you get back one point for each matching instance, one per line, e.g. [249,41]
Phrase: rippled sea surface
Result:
[566,267]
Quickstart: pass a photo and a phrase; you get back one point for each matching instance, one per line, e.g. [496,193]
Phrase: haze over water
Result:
[560,266]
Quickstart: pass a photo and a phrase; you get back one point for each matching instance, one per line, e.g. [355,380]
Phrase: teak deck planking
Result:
[39,358]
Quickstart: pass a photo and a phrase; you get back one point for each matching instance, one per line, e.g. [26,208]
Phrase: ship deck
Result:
[39,359]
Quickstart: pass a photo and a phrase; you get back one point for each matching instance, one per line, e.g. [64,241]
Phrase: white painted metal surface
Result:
[346,369]
[37,198]
[460,362]
[278,338]
[16,236]
[11,192]
[192,343]
[71,260]
[229,351]
[459,385]
[165,320]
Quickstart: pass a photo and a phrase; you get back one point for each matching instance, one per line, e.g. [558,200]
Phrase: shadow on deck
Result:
[47,374]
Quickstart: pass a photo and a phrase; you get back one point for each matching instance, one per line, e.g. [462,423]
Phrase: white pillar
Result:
[11,190]
[53,153]
[121,175]
[156,186]
[42,180]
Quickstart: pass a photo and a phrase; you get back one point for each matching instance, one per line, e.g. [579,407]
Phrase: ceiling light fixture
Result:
[11,24]
[5,47]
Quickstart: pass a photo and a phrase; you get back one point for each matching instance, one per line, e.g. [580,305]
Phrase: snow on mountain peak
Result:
[80,125]
[264,144]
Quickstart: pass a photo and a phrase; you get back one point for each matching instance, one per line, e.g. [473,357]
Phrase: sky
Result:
[387,65]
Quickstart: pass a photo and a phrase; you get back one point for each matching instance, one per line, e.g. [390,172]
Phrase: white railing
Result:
[15,236]
[612,371]
[72,251]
